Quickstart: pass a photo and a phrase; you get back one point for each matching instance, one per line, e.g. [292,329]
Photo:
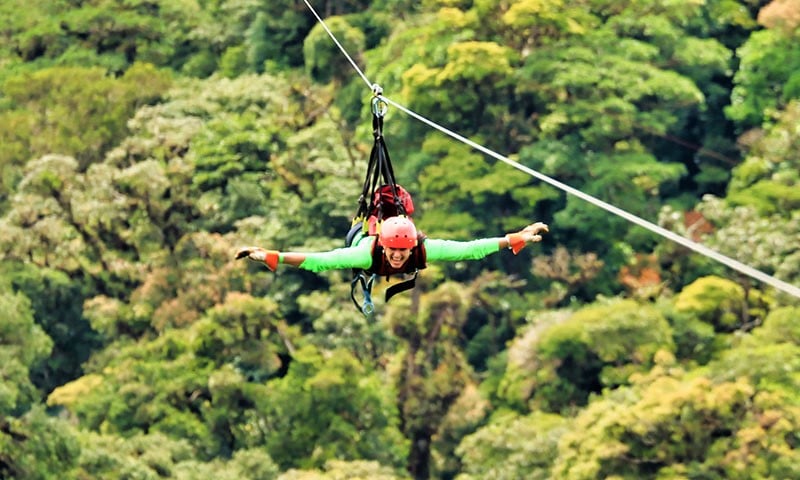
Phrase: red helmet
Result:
[398,232]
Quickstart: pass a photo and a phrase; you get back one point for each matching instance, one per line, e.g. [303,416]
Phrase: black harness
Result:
[380,267]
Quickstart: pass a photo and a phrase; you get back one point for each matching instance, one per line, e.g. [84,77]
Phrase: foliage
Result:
[745,419]
[37,446]
[714,300]
[768,243]
[103,33]
[328,407]
[768,180]
[632,433]
[695,339]
[142,142]
[512,446]
[341,470]
[430,370]
[767,64]
[467,414]
[23,344]
[57,305]
[780,326]
[570,273]
[562,359]
[323,60]
[156,456]
[337,326]
[72,111]
[188,381]
[488,194]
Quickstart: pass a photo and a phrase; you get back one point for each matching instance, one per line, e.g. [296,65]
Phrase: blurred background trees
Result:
[142,142]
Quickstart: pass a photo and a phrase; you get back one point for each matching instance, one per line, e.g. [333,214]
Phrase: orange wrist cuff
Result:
[271,259]
[515,242]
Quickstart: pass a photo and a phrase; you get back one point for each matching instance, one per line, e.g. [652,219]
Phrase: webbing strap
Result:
[402,286]
[379,172]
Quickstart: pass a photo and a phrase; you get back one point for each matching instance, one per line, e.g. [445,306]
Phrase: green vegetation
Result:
[142,142]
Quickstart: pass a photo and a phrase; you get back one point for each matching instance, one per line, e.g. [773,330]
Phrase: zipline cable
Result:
[699,248]
[344,52]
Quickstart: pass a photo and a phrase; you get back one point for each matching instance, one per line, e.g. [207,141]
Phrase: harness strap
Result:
[379,172]
[402,286]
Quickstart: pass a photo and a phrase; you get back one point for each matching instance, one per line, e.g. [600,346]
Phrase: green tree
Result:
[695,339]
[324,62]
[431,371]
[779,326]
[108,34]
[156,456]
[714,300]
[138,205]
[475,72]
[565,357]
[591,98]
[769,244]
[733,419]
[339,325]
[199,383]
[511,446]
[329,406]
[57,305]
[767,78]
[37,446]
[259,43]
[338,469]
[23,344]
[80,223]
[615,102]
[766,357]
[632,433]
[73,111]
[768,179]
[287,24]
[463,189]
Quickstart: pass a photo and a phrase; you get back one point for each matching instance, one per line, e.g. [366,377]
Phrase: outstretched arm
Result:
[449,251]
[358,256]
[271,258]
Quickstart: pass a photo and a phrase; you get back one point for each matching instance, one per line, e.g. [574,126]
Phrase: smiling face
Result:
[397,257]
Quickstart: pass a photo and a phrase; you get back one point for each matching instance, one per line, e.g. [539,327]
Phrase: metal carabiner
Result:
[379,106]
[367,308]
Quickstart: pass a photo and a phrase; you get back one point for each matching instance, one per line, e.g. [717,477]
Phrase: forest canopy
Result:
[143,142]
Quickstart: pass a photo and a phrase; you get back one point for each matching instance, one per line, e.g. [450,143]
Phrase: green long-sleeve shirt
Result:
[360,254]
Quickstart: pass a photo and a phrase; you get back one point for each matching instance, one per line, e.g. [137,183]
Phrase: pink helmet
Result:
[398,232]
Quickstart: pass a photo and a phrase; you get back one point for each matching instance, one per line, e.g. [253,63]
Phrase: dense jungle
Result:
[143,141]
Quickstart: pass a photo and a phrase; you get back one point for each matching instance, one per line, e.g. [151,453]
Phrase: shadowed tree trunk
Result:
[434,369]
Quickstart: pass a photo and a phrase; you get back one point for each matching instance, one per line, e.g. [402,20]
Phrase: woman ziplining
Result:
[383,240]
[397,248]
